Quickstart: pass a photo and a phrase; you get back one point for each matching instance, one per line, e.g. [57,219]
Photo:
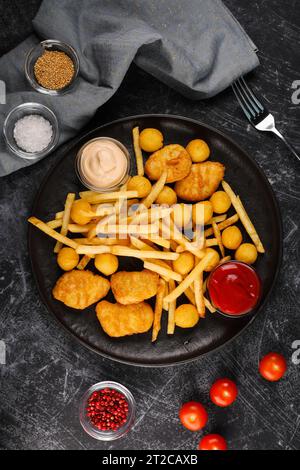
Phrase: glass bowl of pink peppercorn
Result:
[107,411]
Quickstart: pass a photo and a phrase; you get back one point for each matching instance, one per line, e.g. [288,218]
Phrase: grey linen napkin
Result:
[194,46]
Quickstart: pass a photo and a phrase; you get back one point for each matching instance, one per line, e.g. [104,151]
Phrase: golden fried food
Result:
[186,316]
[184,264]
[106,263]
[80,289]
[79,212]
[166,196]
[67,258]
[121,320]
[198,150]
[201,182]
[140,184]
[151,140]
[173,158]
[220,202]
[134,287]
[247,253]
[214,261]
[232,237]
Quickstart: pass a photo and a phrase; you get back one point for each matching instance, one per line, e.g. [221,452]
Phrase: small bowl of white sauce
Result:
[103,164]
[31,131]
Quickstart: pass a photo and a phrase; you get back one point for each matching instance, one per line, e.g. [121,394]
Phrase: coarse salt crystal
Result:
[33,133]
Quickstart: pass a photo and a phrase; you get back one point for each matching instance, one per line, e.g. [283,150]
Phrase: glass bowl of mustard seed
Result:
[52,67]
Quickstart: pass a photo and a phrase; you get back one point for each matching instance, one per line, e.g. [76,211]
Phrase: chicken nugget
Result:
[202,181]
[121,320]
[80,289]
[173,158]
[134,287]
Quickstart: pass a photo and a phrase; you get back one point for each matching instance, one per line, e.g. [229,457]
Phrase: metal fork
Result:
[256,112]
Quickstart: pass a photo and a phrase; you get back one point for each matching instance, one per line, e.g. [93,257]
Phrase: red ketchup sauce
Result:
[234,288]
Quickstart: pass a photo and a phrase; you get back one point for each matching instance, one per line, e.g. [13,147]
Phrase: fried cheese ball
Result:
[214,262]
[247,253]
[106,263]
[232,237]
[220,202]
[167,196]
[67,258]
[184,263]
[186,316]
[78,212]
[199,150]
[140,184]
[202,212]
[151,140]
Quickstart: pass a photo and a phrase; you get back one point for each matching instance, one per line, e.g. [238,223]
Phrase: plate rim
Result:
[85,135]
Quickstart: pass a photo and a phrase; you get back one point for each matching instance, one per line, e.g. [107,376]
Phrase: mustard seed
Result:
[54,70]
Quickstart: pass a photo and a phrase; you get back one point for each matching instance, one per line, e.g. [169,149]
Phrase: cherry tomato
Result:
[223,392]
[193,416]
[212,442]
[272,366]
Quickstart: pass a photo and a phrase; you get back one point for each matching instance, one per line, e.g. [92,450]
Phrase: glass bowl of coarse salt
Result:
[31,131]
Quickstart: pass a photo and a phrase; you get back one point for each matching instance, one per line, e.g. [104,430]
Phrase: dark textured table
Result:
[47,371]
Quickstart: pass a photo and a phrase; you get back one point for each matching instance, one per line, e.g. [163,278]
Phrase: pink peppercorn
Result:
[107,409]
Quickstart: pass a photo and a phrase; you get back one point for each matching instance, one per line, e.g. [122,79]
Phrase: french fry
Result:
[87,194]
[138,151]
[190,278]
[230,221]
[83,262]
[165,305]
[124,251]
[55,223]
[127,229]
[209,306]
[218,236]
[157,240]
[156,189]
[76,228]
[172,232]
[59,215]
[171,311]
[150,215]
[108,197]
[210,242]
[225,259]
[245,219]
[199,297]
[140,245]
[189,293]
[158,310]
[217,219]
[52,233]
[107,241]
[65,220]
[167,273]
[92,250]
[103,209]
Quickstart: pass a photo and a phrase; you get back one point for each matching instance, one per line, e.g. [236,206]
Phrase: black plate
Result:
[185,345]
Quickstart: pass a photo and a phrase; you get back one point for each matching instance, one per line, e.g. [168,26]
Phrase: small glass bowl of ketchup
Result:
[234,288]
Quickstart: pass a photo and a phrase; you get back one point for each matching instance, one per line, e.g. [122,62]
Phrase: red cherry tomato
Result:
[193,416]
[223,392]
[212,442]
[272,366]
